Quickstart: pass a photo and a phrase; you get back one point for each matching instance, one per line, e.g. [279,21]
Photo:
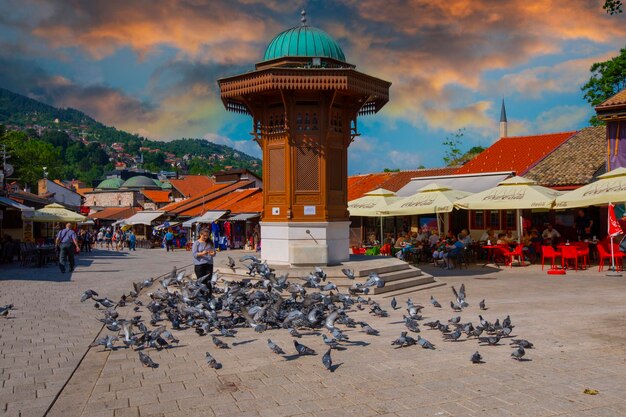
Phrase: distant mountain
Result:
[18,112]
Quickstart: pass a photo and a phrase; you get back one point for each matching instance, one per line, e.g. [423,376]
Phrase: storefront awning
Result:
[191,222]
[210,216]
[242,217]
[471,183]
[14,204]
[145,217]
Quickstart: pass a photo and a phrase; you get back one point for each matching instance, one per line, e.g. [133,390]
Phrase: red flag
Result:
[614,227]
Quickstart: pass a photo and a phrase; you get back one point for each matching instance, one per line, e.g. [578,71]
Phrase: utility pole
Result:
[4,173]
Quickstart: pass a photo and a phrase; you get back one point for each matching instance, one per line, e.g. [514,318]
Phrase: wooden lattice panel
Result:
[335,169]
[307,169]
[277,169]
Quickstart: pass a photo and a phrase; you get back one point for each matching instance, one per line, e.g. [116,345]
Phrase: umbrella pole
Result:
[381,231]
[438,228]
[520,227]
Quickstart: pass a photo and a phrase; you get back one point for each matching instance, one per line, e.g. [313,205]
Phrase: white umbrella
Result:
[57,213]
[514,193]
[610,188]
[373,204]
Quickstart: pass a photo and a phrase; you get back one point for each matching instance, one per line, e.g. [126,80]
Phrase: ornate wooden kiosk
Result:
[304,99]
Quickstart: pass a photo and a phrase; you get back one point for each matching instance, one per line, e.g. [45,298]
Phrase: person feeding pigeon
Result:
[203,253]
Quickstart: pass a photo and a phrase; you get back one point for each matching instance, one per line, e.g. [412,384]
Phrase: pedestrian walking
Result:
[203,252]
[132,241]
[85,244]
[66,242]
[100,238]
[169,240]
[108,238]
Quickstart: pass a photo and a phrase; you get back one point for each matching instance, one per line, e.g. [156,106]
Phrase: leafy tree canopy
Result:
[607,79]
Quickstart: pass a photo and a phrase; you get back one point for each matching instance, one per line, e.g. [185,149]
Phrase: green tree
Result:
[30,156]
[452,143]
[391,170]
[613,7]
[607,79]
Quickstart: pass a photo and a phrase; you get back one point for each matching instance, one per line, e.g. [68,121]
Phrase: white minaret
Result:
[503,130]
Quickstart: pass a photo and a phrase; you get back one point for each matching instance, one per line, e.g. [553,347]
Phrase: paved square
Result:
[576,322]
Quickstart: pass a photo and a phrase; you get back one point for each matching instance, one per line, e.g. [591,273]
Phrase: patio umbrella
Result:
[373,204]
[57,213]
[610,188]
[514,193]
[430,199]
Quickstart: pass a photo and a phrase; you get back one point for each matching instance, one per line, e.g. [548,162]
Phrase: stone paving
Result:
[576,322]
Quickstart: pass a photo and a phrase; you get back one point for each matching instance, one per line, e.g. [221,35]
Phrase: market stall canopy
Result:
[432,198]
[610,188]
[211,216]
[144,217]
[190,222]
[513,193]
[243,217]
[166,225]
[372,204]
[57,213]
[471,183]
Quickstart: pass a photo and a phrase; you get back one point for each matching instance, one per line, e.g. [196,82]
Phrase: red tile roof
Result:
[230,201]
[115,213]
[358,185]
[158,196]
[192,185]
[251,204]
[517,154]
[204,199]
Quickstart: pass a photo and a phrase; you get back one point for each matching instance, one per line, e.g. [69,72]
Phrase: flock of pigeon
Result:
[312,307]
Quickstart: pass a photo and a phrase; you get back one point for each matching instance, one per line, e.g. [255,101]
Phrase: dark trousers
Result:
[206,271]
[66,255]
[169,244]
[85,246]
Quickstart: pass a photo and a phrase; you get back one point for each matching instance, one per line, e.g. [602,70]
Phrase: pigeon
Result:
[411,324]
[460,296]
[425,344]
[478,330]
[482,305]
[491,340]
[394,303]
[293,332]
[348,273]
[507,322]
[327,360]
[217,342]
[522,342]
[275,348]
[432,324]
[147,361]
[455,307]
[302,349]
[338,334]
[368,329]
[231,263]
[476,358]
[212,362]
[87,295]
[332,343]
[455,320]
[434,302]
[454,336]
[105,302]
[106,341]
[518,354]
[504,332]
[227,332]
[4,310]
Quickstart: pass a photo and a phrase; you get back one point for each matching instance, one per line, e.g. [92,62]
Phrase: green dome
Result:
[304,41]
[166,185]
[140,181]
[110,184]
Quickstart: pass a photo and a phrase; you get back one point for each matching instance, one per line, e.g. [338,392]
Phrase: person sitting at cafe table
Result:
[488,235]
[433,239]
[550,235]
[400,241]
[502,239]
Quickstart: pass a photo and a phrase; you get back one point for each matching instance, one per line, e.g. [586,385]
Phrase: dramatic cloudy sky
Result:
[149,66]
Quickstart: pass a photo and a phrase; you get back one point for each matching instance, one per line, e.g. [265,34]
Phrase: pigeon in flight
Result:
[106,341]
[87,295]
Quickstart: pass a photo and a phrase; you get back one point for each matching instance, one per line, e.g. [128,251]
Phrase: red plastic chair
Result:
[583,252]
[355,250]
[518,253]
[604,254]
[385,249]
[548,251]
[569,253]
[507,254]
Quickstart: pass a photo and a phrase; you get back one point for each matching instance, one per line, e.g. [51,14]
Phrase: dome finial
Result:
[303,18]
